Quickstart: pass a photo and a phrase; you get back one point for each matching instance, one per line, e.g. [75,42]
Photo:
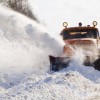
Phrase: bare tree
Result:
[21,6]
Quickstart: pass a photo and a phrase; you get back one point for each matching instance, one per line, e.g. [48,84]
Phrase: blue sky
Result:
[54,12]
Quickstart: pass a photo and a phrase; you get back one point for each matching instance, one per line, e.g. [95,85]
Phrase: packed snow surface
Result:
[24,64]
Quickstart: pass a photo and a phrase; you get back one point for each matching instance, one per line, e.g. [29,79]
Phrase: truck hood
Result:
[88,46]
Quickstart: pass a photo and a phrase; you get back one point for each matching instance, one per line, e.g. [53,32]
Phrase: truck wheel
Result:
[97,64]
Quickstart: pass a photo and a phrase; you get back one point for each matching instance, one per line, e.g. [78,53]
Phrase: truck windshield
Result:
[79,34]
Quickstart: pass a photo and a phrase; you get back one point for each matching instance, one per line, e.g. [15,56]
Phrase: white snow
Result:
[24,44]
[24,64]
[64,85]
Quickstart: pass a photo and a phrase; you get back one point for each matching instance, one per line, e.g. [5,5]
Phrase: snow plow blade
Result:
[58,63]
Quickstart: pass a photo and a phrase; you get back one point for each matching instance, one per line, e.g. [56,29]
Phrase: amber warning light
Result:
[65,24]
[95,23]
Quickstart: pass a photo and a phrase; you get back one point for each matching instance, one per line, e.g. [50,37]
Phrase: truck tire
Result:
[97,64]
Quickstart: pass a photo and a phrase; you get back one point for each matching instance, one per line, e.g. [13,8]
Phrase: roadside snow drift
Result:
[24,64]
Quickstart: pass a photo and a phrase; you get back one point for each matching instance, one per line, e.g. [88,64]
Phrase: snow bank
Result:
[57,86]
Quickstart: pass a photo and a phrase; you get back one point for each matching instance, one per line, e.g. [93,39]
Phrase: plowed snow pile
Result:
[69,85]
[24,49]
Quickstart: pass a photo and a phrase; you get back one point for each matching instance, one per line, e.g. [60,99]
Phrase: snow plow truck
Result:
[80,37]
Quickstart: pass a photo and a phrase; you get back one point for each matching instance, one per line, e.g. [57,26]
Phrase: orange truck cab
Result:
[83,37]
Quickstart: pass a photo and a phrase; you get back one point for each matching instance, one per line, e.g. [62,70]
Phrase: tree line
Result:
[21,6]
